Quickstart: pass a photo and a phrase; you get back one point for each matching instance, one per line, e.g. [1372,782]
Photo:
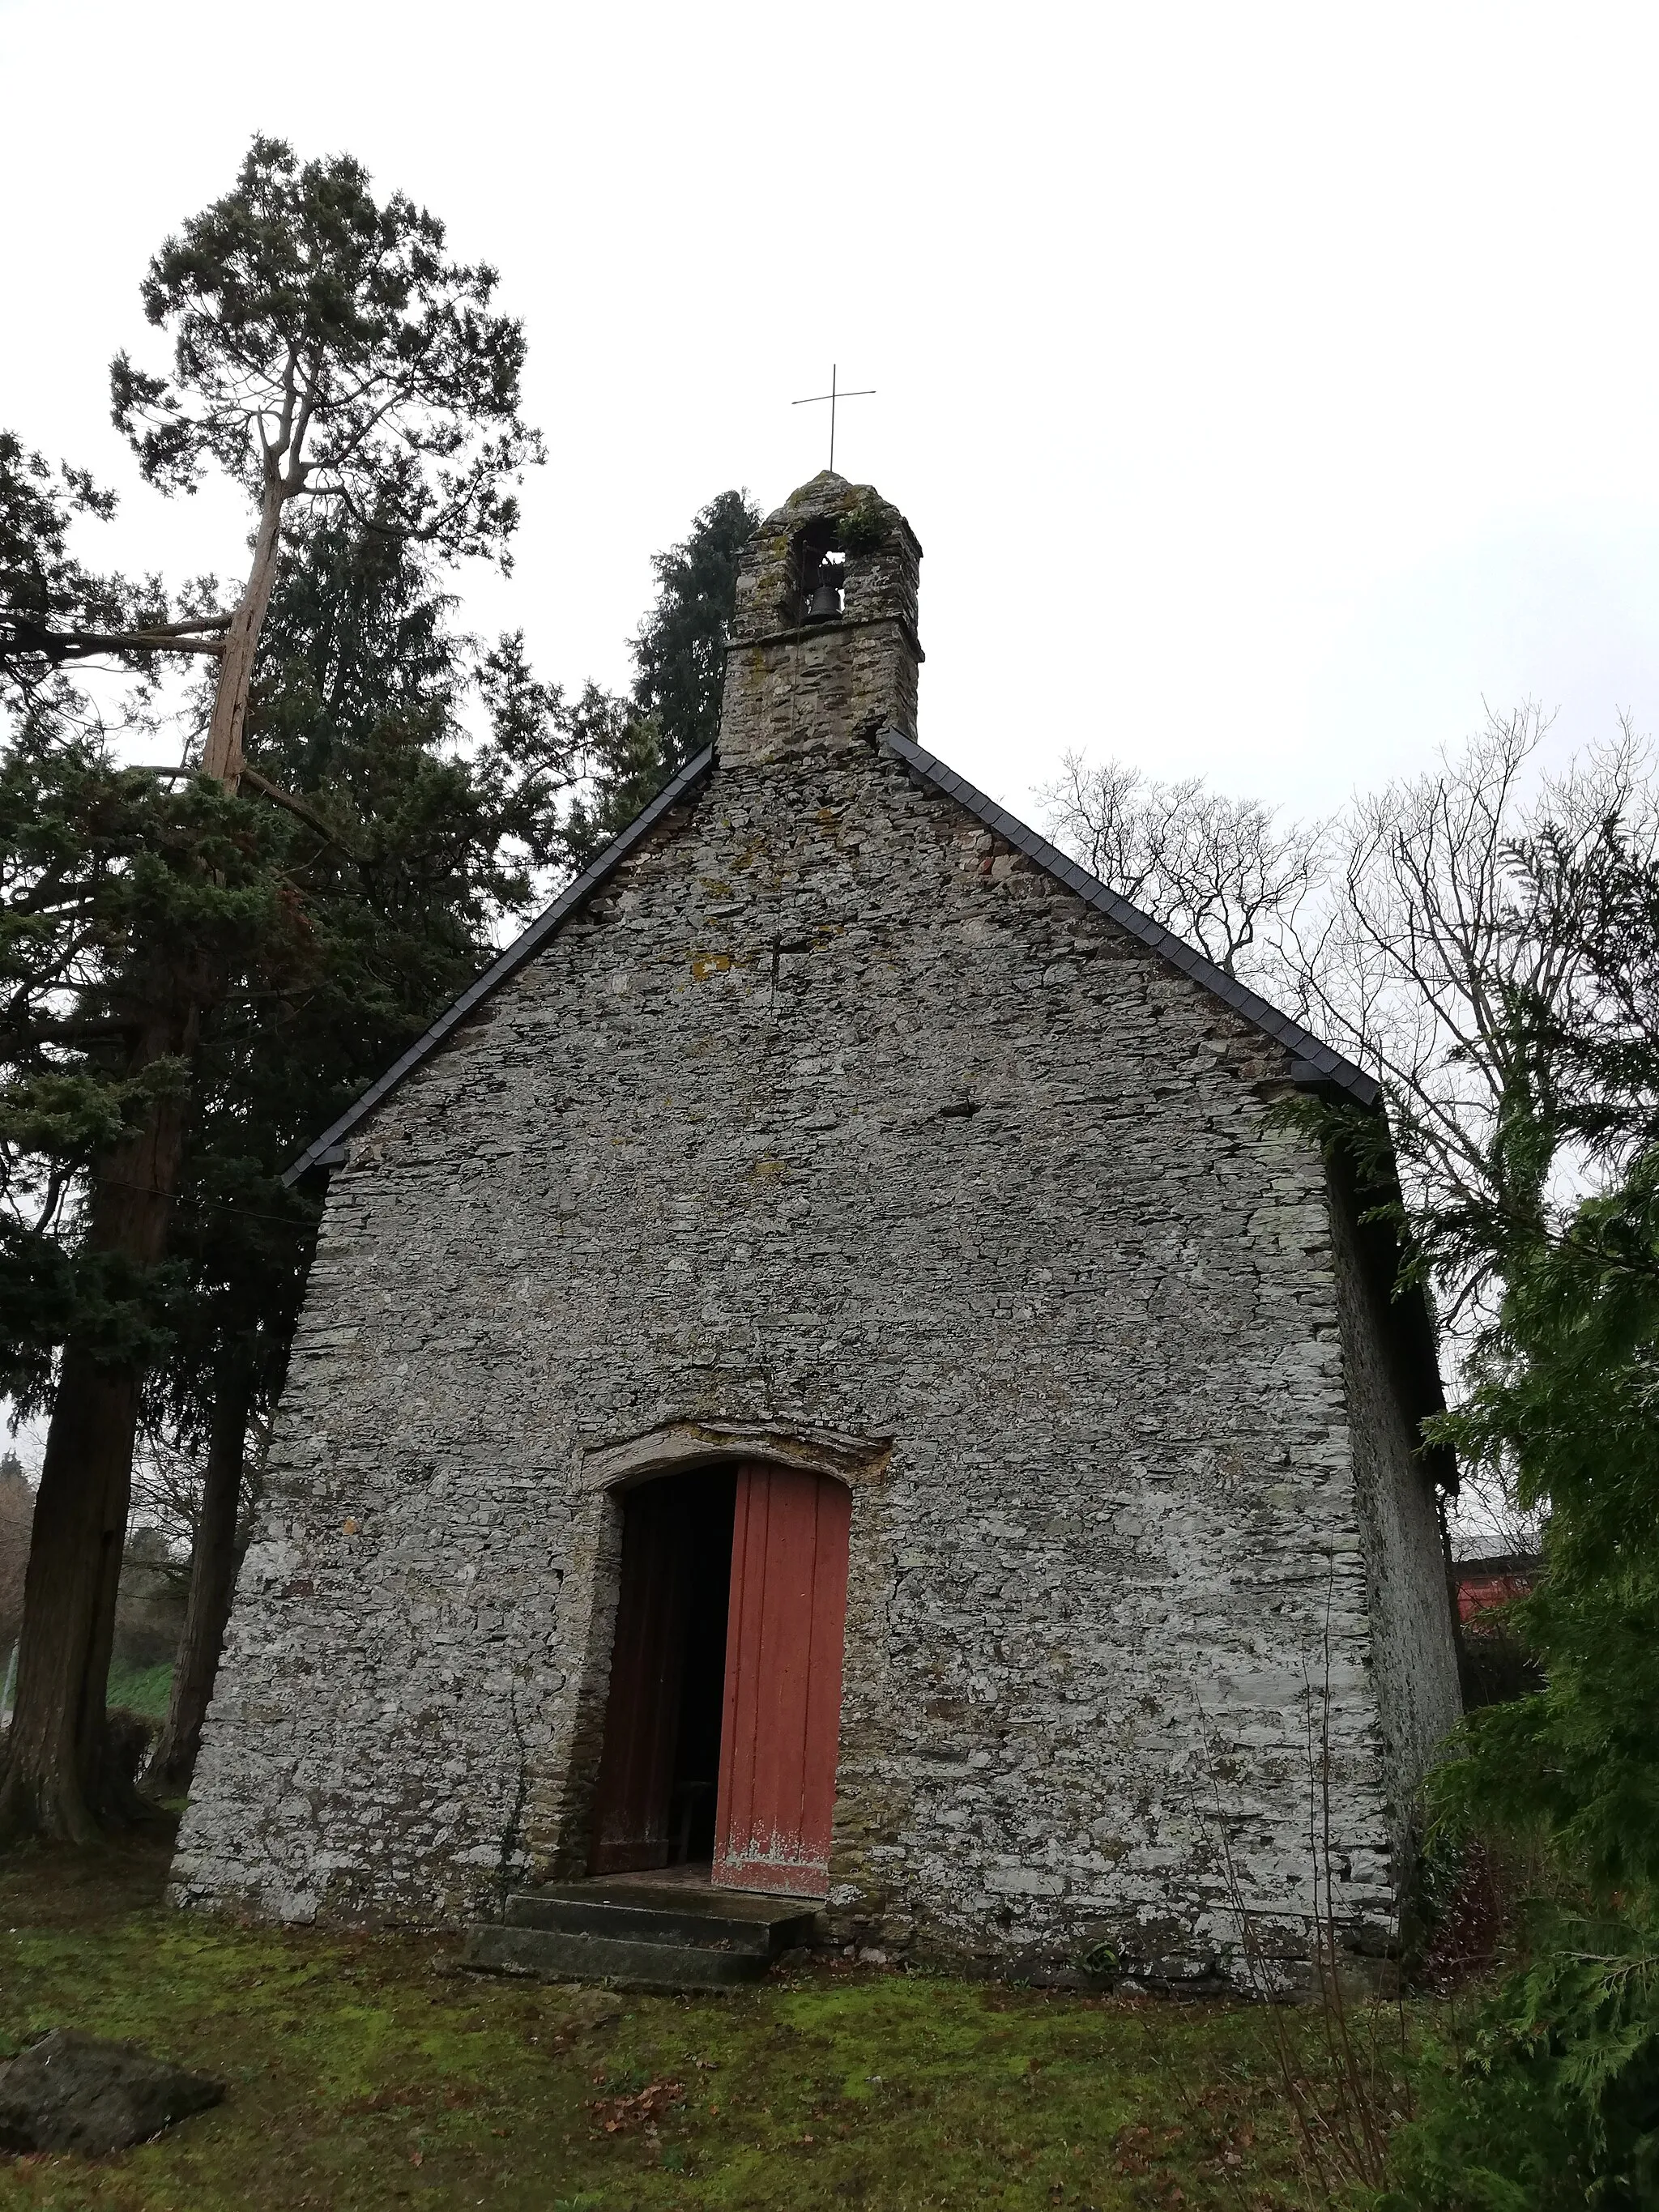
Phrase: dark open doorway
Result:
[722,1721]
[659,1766]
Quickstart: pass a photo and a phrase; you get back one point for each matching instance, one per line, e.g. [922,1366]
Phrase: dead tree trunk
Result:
[212,1579]
[54,1782]
[224,755]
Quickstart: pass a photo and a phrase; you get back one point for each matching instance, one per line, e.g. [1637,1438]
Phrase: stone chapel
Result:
[827,1385]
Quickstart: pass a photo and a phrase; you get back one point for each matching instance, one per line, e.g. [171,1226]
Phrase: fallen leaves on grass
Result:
[1136,2147]
[455,2096]
[616,2113]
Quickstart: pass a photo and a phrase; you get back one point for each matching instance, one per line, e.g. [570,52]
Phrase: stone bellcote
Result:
[823,649]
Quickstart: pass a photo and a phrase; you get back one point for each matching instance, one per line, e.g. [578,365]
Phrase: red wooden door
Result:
[641,1720]
[783,1655]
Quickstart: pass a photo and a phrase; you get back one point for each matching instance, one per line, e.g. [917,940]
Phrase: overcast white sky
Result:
[1266,384]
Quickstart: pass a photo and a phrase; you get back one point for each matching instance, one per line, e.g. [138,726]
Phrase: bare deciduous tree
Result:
[1457,934]
[1223,873]
[1460,959]
[1453,958]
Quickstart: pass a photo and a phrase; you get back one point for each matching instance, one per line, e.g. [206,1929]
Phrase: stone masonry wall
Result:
[789,684]
[834,1126]
[707,1159]
[1414,1656]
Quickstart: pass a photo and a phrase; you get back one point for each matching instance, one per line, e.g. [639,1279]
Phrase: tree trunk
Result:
[212,1579]
[55,1782]
[223,756]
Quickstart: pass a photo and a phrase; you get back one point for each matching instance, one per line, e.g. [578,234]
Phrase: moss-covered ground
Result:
[369,2071]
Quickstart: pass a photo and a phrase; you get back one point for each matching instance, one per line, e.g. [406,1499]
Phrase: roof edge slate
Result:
[523,947]
[1323,1064]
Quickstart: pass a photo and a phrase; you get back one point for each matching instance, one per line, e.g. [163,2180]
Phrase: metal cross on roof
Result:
[834,397]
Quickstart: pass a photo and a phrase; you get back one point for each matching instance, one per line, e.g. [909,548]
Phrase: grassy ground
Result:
[141,1689]
[369,2071]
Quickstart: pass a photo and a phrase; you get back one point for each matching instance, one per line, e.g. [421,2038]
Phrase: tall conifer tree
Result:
[326,353]
[632,746]
[422,837]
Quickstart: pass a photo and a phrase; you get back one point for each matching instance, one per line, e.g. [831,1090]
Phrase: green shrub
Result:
[1552,2101]
[865,526]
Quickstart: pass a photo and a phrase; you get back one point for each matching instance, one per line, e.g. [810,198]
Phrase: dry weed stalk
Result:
[1344,2110]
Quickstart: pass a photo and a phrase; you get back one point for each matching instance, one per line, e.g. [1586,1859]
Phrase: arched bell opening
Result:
[819,574]
[722,1718]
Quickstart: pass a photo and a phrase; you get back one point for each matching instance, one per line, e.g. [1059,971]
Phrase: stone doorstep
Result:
[708,1919]
[673,1935]
[550,1955]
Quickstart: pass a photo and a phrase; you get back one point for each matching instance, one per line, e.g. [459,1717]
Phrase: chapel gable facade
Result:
[826,1373]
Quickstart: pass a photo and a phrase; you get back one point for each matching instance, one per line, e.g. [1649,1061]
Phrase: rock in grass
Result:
[585,2009]
[71,2092]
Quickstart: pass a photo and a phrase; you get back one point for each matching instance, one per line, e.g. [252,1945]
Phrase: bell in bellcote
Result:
[825,604]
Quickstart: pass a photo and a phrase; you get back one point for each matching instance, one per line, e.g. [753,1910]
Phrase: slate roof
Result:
[1312,1062]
